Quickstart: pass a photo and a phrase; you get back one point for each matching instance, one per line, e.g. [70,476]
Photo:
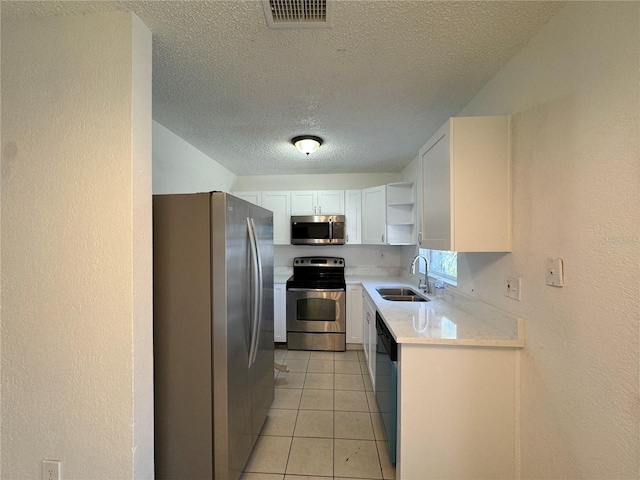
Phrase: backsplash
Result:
[372,271]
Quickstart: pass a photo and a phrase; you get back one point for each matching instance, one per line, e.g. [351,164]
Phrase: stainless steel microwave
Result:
[317,230]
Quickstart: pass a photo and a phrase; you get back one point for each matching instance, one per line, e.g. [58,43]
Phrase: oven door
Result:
[316,310]
[316,319]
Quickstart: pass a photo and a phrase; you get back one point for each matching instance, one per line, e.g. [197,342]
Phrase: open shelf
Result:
[401,213]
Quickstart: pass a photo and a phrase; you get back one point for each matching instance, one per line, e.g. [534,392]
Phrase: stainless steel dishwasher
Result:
[387,384]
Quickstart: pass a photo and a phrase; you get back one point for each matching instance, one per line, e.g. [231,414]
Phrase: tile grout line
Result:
[334,410]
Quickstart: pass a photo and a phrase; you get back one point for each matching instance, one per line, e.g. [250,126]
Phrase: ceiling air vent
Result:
[298,13]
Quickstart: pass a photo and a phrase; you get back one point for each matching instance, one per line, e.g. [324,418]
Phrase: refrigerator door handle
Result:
[260,292]
[256,278]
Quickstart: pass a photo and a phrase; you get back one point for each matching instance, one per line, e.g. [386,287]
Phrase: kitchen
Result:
[573,94]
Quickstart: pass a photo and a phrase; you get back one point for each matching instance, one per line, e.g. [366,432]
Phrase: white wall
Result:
[76,247]
[574,95]
[179,167]
[142,251]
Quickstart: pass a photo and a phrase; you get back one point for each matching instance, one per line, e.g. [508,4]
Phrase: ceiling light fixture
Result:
[307,143]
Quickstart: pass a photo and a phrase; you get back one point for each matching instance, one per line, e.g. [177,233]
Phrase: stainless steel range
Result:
[316,304]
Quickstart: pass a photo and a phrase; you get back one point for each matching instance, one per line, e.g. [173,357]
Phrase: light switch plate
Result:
[555,273]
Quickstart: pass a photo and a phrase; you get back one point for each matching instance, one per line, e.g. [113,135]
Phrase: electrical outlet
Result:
[512,288]
[51,470]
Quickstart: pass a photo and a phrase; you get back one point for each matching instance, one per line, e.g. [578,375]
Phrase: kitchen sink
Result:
[396,291]
[405,298]
[400,294]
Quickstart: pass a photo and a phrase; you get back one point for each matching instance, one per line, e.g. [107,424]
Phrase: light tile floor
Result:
[323,424]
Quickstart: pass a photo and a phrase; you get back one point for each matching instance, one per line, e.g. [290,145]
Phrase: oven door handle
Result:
[315,289]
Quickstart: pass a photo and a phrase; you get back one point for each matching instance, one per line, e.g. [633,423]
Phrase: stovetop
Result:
[317,272]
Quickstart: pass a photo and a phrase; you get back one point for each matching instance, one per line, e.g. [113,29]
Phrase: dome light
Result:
[307,143]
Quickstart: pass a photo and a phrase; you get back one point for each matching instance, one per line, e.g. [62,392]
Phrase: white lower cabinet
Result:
[370,336]
[456,409]
[279,312]
[354,314]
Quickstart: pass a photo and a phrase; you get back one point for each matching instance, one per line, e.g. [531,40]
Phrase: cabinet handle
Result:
[420,238]
[347,238]
[315,209]
[383,238]
[320,209]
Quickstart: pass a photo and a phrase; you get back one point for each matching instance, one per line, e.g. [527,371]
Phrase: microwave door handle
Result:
[330,231]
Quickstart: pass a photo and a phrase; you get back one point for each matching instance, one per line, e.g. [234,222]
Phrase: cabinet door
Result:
[252,197]
[353,214]
[374,216]
[354,314]
[481,184]
[323,202]
[365,327]
[467,186]
[370,335]
[436,181]
[304,203]
[330,202]
[280,204]
[279,312]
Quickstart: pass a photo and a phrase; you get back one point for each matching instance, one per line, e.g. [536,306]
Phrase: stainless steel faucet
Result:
[412,270]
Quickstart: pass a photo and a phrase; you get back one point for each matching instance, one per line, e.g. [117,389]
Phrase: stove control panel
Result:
[318,262]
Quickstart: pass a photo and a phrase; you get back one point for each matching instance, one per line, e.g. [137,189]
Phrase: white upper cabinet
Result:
[466,169]
[321,202]
[280,204]
[353,216]
[374,215]
[251,197]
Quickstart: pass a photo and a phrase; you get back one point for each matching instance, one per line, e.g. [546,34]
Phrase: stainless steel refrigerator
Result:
[213,332]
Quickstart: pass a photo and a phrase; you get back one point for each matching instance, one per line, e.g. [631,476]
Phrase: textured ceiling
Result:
[375,86]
